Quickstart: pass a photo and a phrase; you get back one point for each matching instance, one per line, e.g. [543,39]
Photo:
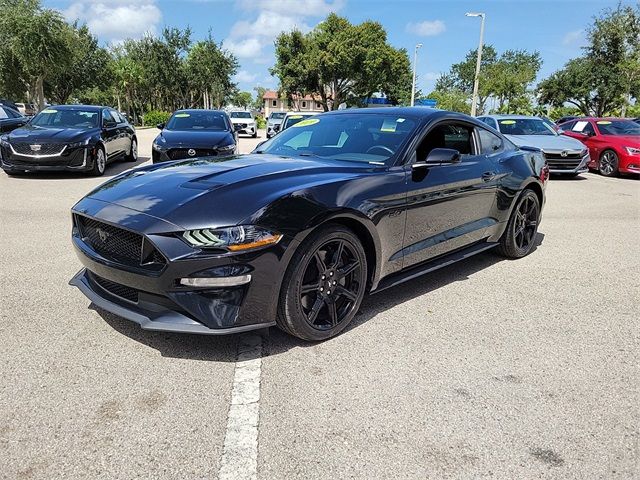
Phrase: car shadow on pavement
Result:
[113,169]
[222,348]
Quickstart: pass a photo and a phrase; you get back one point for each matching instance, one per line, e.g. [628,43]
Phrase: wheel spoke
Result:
[315,310]
[309,287]
[333,313]
[337,255]
[347,269]
[319,262]
[342,291]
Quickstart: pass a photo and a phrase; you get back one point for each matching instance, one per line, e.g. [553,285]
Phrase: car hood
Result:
[33,134]
[195,138]
[216,192]
[547,142]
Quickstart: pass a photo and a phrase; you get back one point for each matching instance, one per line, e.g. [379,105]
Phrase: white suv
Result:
[244,122]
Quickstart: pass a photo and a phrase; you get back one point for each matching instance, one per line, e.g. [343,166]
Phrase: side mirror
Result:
[440,156]
[160,126]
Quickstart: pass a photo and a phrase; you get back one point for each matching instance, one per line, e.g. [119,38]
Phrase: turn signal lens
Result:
[234,239]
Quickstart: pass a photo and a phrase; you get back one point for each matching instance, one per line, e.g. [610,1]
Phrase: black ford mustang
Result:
[294,234]
[80,138]
[195,133]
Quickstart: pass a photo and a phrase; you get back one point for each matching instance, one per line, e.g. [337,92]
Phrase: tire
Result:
[99,163]
[132,156]
[608,163]
[255,135]
[320,294]
[519,237]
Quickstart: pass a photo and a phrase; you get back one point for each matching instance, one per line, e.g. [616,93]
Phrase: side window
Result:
[3,113]
[106,118]
[489,143]
[116,116]
[446,135]
[566,127]
[587,129]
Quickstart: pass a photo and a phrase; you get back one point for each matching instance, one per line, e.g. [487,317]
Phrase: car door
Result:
[124,132]
[449,206]
[110,135]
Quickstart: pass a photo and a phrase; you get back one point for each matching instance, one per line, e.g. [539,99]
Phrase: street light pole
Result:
[413,85]
[476,80]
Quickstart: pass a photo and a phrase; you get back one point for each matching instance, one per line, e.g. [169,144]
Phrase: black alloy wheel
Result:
[608,165]
[324,285]
[520,235]
[132,156]
[99,162]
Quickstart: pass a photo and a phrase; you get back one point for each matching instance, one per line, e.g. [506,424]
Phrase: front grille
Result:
[118,244]
[182,153]
[45,148]
[570,162]
[242,125]
[117,289]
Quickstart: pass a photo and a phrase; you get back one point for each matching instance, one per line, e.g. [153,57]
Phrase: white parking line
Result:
[240,455]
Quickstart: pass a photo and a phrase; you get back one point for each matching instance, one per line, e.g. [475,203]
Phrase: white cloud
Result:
[268,24]
[575,37]
[430,76]
[244,48]
[428,28]
[300,8]
[245,77]
[116,19]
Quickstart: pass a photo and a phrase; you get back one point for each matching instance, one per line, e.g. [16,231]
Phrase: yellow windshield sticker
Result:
[507,122]
[182,115]
[295,117]
[388,126]
[306,123]
[49,110]
[604,122]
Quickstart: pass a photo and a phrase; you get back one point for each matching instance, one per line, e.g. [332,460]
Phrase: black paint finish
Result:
[408,216]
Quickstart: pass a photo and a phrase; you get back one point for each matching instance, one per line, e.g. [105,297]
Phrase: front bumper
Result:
[156,300]
[78,159]
[248,129]
[182,153]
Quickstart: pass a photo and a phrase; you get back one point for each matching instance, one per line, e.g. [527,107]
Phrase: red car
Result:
[614,143]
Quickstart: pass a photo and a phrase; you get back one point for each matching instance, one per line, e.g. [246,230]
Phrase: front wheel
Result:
[608,165]
[99,163]
[255,135]
[324,285]
[133,151]
[522,228]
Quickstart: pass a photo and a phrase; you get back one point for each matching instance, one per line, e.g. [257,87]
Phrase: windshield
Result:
[357,137]
[240,114]
[525,126]
[293,119]
[66,118]
[197,121]
[277,116]
[618,127]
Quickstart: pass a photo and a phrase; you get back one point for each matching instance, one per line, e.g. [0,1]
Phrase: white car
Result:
[292,118]
[244,122]
[564,155]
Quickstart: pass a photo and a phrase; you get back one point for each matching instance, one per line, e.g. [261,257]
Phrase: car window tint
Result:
[106,117]
[3,113]
[116,116]
[489,142]
[588,129]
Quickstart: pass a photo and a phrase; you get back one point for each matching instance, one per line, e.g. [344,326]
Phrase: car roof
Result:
[506,116]
[73,107]
[192,110]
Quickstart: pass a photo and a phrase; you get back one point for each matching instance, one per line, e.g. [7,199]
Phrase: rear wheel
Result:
[608,165]
[519,237]
[324,285]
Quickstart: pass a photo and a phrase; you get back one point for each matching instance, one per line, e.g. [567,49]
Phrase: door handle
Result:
[488,176]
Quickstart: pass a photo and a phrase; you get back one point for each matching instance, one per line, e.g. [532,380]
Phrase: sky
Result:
[555,28]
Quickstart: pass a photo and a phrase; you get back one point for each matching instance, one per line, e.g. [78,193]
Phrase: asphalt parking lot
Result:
[486,369]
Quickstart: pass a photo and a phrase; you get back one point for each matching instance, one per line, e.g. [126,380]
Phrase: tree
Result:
[243,99]
[340,62]
[258,103]
[85,67]
[32,44]
[452,99]
[607,76]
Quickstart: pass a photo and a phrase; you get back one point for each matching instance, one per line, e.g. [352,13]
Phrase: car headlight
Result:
[226,148]
[632,150]
[234,239]
[78,144]
[584,152]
